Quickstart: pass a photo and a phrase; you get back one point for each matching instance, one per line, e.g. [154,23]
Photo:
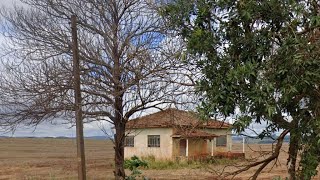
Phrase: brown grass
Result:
[26,158]
[33,159]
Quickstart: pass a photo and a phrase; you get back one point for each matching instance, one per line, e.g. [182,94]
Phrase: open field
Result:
[32,159]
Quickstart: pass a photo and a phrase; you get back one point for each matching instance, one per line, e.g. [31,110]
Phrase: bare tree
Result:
[125,68]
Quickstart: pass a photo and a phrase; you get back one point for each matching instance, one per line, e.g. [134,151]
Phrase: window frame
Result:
[129,141]
[224,141]
[153,141]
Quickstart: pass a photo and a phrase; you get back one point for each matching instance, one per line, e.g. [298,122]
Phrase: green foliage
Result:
[133,164]
[260,61]
[311,150]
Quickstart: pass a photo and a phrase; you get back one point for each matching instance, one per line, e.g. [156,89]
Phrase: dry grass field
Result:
[33,159]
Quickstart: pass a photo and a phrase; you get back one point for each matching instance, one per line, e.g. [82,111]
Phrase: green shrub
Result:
[133,164]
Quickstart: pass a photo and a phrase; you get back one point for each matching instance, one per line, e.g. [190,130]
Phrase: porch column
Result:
[243,145]
[187,147]
[212,140]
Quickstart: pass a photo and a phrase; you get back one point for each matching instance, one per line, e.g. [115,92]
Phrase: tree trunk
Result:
[293,153]
[119,172]
[119,122]
[120,126]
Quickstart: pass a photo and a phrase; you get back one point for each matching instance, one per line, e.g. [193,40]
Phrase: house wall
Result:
[215,148]
[197,147]
[141,143]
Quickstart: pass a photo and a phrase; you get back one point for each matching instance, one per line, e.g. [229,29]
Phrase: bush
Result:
[133,164]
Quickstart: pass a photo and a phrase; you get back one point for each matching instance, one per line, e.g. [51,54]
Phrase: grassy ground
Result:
[33,159]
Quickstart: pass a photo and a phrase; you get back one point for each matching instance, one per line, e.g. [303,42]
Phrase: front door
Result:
[183,146]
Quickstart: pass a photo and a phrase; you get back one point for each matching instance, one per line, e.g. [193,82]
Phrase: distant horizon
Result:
[57,137]
[235,136]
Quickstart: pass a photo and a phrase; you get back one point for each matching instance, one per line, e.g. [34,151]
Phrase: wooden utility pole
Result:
[78,108]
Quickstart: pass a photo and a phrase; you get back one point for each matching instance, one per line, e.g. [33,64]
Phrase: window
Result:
[221,140]
[153,140]
[129,141]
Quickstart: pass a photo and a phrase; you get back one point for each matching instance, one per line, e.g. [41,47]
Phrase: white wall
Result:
[141,148]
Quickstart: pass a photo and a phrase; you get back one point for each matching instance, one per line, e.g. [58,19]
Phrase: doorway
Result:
[183,147]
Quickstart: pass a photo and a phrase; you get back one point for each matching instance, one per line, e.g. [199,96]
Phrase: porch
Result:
[200,145]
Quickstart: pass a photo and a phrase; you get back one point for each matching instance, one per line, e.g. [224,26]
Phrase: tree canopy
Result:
[260,62]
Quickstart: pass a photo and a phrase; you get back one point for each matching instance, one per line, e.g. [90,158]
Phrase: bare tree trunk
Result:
[120,126]
[119,172]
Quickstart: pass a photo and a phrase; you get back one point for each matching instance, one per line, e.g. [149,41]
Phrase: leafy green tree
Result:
[261,62]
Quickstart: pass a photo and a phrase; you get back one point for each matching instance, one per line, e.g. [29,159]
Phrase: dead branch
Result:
[264,162]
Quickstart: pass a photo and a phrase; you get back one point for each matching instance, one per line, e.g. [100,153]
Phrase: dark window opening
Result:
[153,140]
[222,141]
[129,141]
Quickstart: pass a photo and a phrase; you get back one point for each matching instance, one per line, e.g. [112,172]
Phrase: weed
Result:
[185,163]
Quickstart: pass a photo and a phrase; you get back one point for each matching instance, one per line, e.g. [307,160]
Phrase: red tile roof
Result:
[174,118]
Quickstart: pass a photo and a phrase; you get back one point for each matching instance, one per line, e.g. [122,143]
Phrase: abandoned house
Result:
[173,133]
